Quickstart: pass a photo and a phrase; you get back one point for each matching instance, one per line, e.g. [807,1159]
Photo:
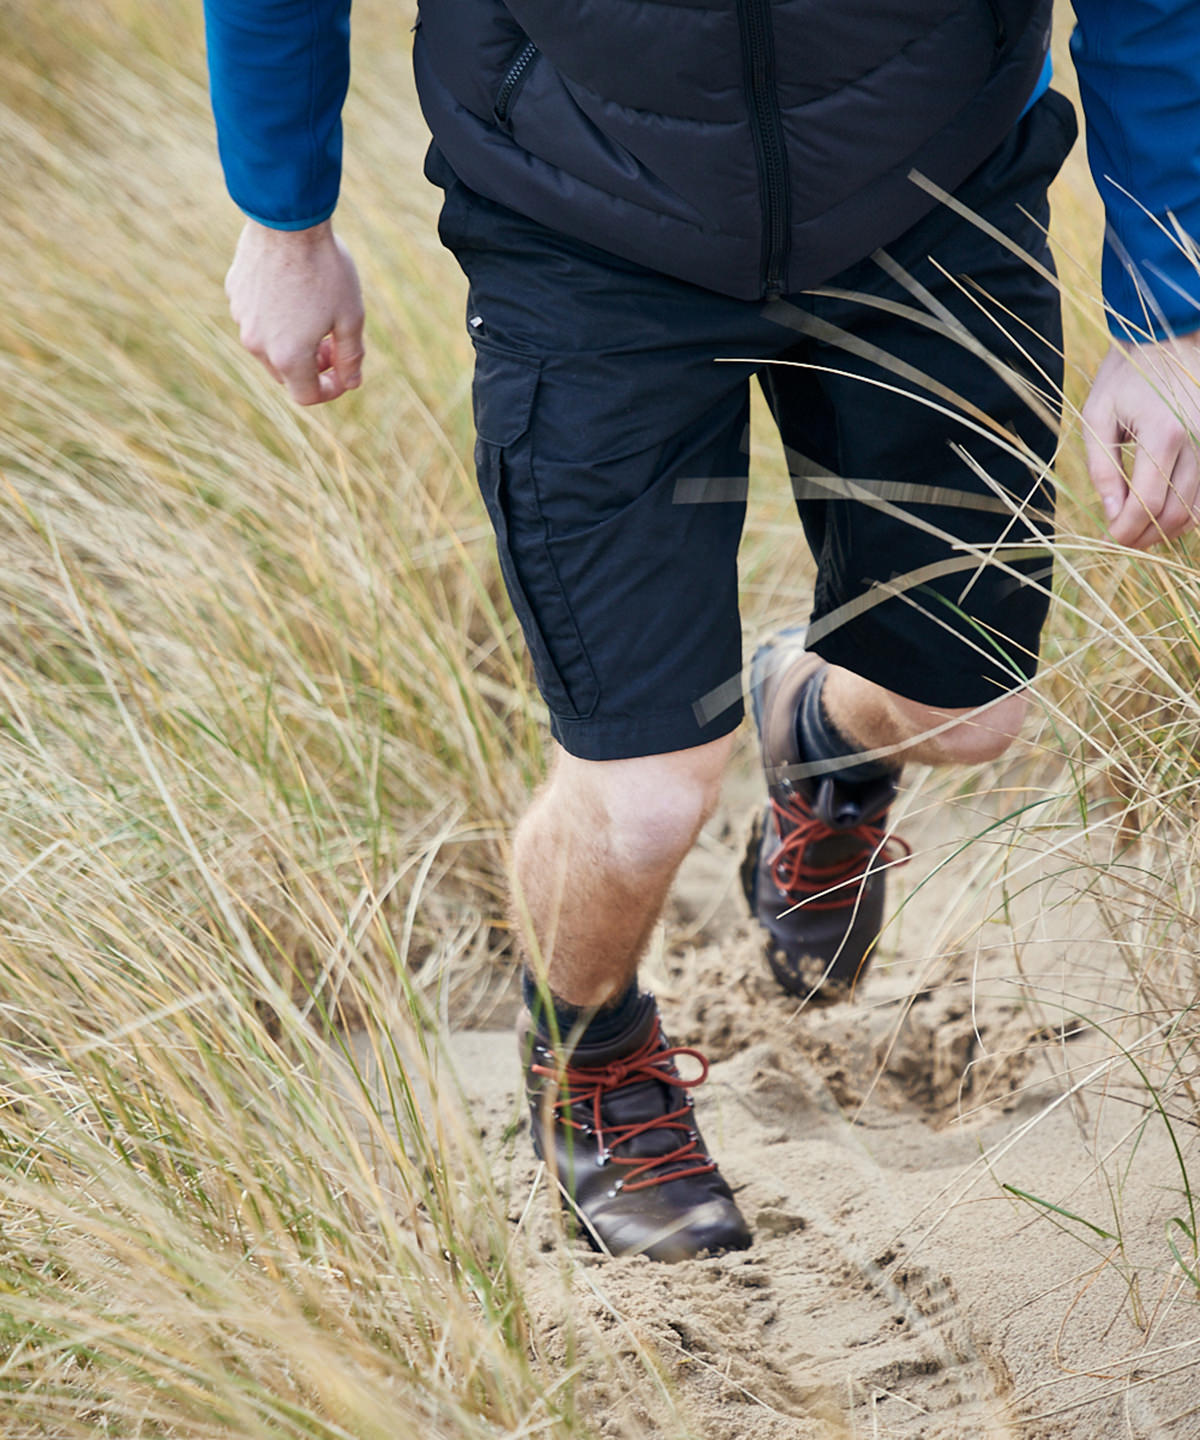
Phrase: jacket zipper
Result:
[998,22]
[513,80]
[758,56]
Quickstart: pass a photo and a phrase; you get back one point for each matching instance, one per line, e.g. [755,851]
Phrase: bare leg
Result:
[592,861]
[594,857]
[876,718]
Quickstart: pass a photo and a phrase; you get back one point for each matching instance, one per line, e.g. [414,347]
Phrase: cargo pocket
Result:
[504,391]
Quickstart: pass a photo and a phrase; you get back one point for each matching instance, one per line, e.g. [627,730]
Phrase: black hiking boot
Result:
[814,873]
[614,1122]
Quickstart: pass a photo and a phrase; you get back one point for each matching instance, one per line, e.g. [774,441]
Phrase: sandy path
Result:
[894,1288]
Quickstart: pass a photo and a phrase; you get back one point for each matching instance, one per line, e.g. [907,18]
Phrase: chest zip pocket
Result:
[510,87]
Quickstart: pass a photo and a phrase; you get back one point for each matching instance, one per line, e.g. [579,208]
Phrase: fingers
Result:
[1184,504]
[302,379]
[297,370]
[1180,505]
[1102,436]
[339,361]
[312,378]
[1150,403]
[337,367]
[1158,447]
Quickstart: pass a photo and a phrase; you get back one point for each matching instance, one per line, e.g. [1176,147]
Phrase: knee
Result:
[967,737]
[650,808]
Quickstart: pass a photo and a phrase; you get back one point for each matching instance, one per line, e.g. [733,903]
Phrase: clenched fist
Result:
[295,297]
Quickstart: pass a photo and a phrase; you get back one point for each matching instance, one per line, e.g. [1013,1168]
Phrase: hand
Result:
[1147,396]
[295,297]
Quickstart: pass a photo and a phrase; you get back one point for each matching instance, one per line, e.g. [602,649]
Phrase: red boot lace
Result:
[651,1061]
[814,885]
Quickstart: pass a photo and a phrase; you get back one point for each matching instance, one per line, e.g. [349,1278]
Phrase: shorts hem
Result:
[944,690]
[631,737]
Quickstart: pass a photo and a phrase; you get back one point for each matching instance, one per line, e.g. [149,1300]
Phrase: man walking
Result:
[855,196]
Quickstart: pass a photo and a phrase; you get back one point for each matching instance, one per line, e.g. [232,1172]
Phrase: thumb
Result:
[348,351]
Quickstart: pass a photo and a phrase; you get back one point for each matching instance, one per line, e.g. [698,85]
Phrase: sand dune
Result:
[895,1288]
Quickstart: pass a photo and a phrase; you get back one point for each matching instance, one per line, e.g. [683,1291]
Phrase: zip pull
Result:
[513,80]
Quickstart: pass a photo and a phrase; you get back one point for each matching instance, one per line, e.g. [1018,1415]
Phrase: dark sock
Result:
[606,1023]
[818,738]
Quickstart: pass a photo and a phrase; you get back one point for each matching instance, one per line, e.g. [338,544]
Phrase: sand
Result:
[895,1288]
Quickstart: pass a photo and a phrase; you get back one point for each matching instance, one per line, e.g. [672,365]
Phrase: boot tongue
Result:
[842,806]
[639,1031]
[836,805]
[636,1101]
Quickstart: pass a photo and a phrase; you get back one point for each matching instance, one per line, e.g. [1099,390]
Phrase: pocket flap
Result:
[503,393]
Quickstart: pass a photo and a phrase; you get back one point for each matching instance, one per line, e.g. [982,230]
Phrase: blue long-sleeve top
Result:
[279,70]
[1138,63]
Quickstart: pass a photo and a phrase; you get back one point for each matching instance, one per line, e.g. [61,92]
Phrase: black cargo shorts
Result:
[917,397]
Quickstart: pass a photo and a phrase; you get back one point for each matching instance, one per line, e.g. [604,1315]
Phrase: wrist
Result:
[269,238]
[1186,343]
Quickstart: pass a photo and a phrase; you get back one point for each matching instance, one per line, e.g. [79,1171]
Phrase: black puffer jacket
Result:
[749,146]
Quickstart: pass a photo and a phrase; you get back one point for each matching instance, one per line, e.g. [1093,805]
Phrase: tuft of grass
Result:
[301,612]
